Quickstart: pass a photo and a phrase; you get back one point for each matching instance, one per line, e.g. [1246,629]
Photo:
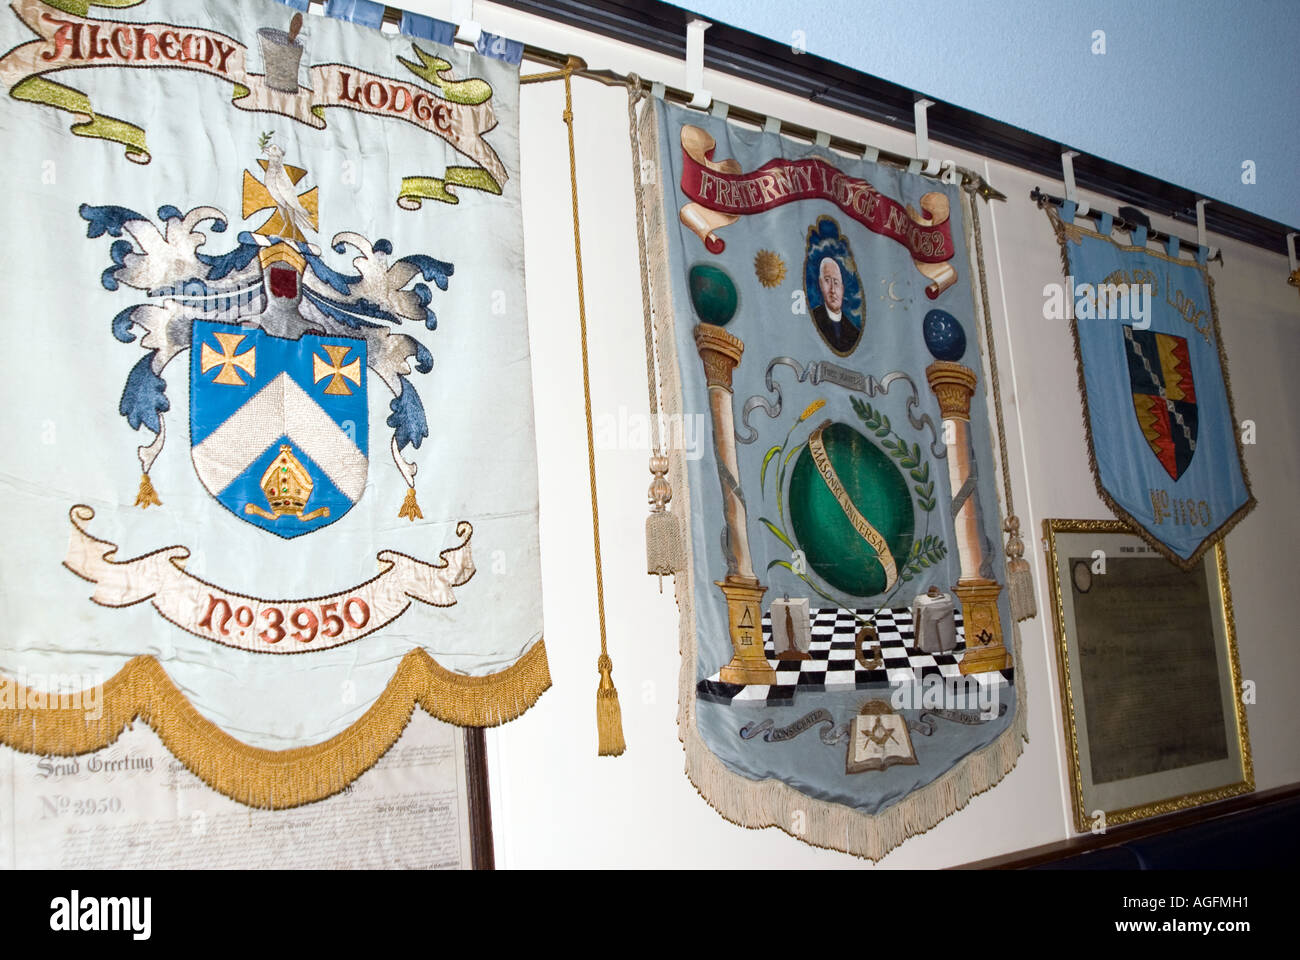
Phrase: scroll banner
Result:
[722,193]
[457,111]
[1163,441]
[265,626]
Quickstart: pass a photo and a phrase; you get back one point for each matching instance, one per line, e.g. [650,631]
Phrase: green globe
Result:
[875,486]
[713,294]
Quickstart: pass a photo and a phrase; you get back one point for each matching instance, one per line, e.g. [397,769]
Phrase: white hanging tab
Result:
[1072,194]
[920,115]
[823,139]
[467,28]
[871,154]
[1200,229]
[695,63]
[772,125]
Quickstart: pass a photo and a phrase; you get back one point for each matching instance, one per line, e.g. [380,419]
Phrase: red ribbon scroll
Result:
[722,188]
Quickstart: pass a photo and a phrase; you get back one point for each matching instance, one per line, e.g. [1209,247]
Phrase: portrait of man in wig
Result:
[832,287]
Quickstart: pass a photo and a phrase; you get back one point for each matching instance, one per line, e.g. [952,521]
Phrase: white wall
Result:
[555,803]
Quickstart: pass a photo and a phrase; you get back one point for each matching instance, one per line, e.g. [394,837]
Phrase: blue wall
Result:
[1186,90]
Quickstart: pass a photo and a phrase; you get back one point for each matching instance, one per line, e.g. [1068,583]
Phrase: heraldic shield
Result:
[278,427]
[1164,396]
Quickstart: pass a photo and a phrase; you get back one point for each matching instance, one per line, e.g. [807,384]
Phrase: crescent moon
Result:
[892,295]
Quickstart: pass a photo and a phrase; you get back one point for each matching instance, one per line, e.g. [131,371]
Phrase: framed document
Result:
[1150,681]
[423,805]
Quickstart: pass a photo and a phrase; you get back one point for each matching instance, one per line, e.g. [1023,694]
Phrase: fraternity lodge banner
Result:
[274,395]
[849,667]
[1163,441]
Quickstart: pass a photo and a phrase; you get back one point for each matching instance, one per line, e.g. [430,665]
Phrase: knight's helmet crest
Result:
[283,348]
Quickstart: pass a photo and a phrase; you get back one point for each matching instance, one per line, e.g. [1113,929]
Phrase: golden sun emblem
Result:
[769,268]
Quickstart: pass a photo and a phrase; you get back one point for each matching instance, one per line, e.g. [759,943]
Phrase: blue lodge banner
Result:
[275,393]
[1163,440]
[850,665]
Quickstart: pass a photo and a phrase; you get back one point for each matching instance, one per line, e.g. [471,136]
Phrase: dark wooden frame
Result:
[482,855]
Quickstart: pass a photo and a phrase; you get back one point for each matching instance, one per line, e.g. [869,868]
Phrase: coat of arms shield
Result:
[278,428]
[1164,396]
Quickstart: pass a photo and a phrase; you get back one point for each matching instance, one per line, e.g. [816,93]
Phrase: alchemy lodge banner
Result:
[1163,441]
[849,660]
[273,394]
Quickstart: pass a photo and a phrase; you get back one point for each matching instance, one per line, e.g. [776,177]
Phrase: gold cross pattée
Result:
[335,369]
[228,360]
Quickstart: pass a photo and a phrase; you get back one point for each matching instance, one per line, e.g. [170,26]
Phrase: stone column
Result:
[954,385]
[720,352]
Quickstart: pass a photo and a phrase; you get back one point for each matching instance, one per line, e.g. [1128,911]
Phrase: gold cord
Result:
[972,192]
[609,719]
[1020,579]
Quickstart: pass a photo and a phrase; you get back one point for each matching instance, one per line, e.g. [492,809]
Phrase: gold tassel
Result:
[147,497]
[1020,581]
[663,534]
[609,716]
[410,509]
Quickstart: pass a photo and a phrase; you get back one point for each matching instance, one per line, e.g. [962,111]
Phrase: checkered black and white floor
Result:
[833,667]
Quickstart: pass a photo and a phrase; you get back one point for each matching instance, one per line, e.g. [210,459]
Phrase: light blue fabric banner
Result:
[1163,436]
[253,249]
[839,463]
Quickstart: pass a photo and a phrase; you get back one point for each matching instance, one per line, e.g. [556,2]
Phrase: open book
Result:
[878,739]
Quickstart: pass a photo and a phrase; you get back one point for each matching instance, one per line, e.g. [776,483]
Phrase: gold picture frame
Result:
[1108,704]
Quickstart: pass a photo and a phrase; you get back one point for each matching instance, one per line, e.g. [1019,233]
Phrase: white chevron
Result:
[278,409]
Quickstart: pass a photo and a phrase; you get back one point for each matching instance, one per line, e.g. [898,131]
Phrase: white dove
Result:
[280,185]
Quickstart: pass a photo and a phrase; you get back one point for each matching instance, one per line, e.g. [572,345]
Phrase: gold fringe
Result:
[147,496]
[609,716]
[1069,232]
[275,779]
[771,803]
[410,509]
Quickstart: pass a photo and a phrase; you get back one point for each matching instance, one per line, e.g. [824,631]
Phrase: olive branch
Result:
[925,552]
[908,457]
